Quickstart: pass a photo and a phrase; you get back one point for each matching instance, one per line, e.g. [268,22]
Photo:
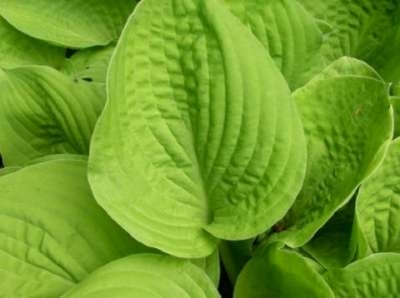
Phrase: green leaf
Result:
[375,276]
[8,170]
[199,138]
[395,101]
[395,89]
[146,276]
[45,112]
[378,205]
[361,29]
[211,265]
[17,49]
[347,120]
[346,66]
[387,61]
[234,255]
[52,157]
[89,64]
[289,33]
[70,23]
[52,233]
[334,245]
[281,273]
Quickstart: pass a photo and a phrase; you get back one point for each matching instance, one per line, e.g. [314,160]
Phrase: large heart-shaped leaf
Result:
[280,273]
[45,112]
[52,232]
[375,276]
[378,205]
[200,138]
[70,23]
[289,33]
[347,120]
[146,276]
[17,49]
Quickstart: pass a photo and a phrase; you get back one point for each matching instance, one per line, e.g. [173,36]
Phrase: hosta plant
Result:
[200,148]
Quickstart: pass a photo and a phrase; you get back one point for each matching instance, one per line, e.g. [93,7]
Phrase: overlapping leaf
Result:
[234,255]
[90,64]
[17,49]
[210,265]
[335,244]
[45,112]
[395,101]
[364,29]
[280,273]
[395,89]
[5,171]
[70,23]
[53,234]
[199,140]
[375,276]
[378,205]
[289,33]
[387,60]
[146,276]
[347,119]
